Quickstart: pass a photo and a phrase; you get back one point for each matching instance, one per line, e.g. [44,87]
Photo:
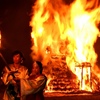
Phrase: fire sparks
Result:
[63,35]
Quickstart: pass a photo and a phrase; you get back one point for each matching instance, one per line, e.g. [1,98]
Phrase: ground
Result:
[62,96]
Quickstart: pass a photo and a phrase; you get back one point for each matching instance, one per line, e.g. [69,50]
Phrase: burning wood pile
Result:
[65,81]
[63,34]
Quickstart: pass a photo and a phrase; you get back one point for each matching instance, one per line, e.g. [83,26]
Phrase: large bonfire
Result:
[63,36]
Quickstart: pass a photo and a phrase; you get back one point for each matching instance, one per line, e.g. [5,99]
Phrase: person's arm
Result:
[33,86]
[22,73]
[6,77]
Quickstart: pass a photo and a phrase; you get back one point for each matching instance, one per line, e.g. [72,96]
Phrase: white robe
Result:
[33,86]
[22,73]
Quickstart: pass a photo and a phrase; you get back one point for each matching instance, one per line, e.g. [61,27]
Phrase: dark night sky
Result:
[14,25]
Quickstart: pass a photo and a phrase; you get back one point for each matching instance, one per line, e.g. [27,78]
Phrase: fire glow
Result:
[63,35]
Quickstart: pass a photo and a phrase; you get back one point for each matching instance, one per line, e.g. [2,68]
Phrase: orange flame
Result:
[63,29]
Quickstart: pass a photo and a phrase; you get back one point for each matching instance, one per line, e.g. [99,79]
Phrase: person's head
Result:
[37,68]
[17,57]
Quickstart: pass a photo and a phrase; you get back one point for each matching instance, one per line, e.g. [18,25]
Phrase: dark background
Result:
[15,29]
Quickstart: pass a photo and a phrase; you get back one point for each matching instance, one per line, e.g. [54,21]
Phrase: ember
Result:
[63,37]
